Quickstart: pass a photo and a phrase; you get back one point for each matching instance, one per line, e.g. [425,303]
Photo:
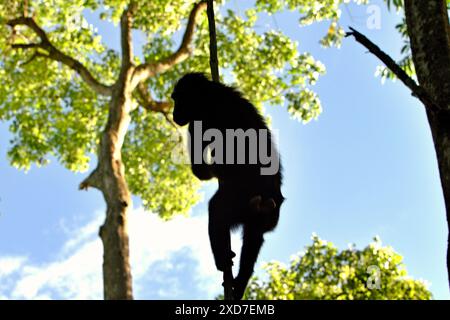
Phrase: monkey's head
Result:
[188,95]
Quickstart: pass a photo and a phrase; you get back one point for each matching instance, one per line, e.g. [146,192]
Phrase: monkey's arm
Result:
[200,168]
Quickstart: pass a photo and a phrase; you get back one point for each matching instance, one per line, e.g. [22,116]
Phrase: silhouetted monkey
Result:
[245,196]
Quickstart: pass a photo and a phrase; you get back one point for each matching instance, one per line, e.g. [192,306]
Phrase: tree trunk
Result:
[440,128]
[429,33]
[114,233]
[111,176]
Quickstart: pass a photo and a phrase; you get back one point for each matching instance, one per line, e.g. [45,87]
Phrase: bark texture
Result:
[117,280]
[429,33]
[109,176]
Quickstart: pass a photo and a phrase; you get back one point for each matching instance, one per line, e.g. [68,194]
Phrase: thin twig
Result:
[57,55]
[417,91]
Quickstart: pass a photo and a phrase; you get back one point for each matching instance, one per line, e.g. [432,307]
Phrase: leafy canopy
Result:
[324,272]
[53,114]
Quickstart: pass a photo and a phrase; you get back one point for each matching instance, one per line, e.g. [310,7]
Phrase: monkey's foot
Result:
[225,264]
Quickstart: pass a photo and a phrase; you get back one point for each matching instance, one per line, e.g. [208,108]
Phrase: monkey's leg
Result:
[228,282]
[219,234]
[252,243]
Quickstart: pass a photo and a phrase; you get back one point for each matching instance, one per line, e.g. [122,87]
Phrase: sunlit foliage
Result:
[324,272]
[53,114]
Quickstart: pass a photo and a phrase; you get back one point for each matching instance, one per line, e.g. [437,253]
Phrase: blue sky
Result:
[366,167]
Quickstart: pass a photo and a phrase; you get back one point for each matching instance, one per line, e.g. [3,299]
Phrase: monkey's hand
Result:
[265,212]
[261,205]
[202,171]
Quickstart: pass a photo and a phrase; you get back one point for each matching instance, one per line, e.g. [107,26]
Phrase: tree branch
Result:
[55,54]
[126,40]
[213,60]
[417,91]
[146,70]
[93,180]
[34,56]
[148,103]
[25,45]
[145,100]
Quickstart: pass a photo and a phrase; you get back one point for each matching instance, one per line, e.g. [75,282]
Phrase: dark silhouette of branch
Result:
[417,91]
[33,56]
[146,70]
[57,55]
[213,60]
[214,66]
[25,45]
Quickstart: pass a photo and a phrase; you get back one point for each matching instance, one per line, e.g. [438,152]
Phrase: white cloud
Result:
[9,265]
[169,260]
